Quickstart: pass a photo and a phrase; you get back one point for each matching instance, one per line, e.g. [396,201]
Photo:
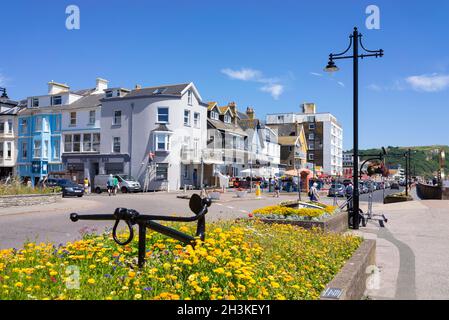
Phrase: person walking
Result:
[277,188]
[110,184]
[313,193]
[115,182]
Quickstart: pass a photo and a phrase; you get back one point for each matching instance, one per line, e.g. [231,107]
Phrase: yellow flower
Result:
[275,284]
[92,266]
[219,270]
[131,274]
[53,273]
[91,281]
[137,296]
[187,262]
[204,278]
[19,284]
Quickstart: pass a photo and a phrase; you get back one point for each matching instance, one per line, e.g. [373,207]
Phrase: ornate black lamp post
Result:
[355,41]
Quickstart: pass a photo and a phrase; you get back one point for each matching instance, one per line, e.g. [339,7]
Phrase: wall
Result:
[28,200]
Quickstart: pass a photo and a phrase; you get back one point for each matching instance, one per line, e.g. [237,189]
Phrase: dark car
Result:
[68,187]
[336,190]
[394,185]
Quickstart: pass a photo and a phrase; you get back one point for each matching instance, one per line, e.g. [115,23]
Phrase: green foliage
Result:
[16,187]
[424,159]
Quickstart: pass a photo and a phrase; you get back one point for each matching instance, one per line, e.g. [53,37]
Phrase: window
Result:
[38,124]
[311,146]
[227,118]
[162,171]
[311,126]
[1,150]
[281,118]
[96,142]
[311,156]
[37,148]
[46,125]
[117,118]
[159,90]
[2,127]
[116,145]
[76,143]
[162,142]
[68,143]
[45,149]
[189,97]
[9,126]
[56,149]
[311,136]
[162,115]
[35,102]
[73,118]
[214,115]
[24,150]
[108,94]
[56,100]
[196,120]
[187,118]
[92,117]
[87,142]
[23,126]
[58,123]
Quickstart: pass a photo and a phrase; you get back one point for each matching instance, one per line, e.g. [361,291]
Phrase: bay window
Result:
[162,142]
[37,148]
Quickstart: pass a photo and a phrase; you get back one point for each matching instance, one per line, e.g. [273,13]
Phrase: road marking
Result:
[230,207]
[218,204]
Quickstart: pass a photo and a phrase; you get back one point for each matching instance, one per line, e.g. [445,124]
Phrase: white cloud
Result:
[374,87]
[245,74]
[274,89]
[271,85]
[2,80]
[316,74]
[341,84]
[429,83]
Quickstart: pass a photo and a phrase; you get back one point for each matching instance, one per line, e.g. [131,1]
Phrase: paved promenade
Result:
[412,251]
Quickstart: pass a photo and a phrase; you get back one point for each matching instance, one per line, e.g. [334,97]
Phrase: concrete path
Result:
[412,251]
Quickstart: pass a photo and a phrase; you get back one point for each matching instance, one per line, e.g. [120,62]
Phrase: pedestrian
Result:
[86,185]
[277,187]
[349,193]
[115,182]
[110,184]
[313,193]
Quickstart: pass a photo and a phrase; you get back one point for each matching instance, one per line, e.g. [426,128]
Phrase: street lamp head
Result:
[331,67]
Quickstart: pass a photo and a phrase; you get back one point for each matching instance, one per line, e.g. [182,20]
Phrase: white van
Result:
[126,183]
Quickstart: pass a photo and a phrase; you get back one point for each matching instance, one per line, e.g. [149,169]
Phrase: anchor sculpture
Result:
[131,217]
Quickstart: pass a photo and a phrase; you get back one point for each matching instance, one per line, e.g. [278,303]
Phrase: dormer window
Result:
[214,115]
[56,100]
[227,118]
[35,102]
[108,94]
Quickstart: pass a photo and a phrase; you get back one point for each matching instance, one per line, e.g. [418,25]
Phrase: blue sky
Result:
[267,54]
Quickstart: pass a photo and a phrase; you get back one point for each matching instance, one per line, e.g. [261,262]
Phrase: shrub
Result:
[244,260]
[15,187]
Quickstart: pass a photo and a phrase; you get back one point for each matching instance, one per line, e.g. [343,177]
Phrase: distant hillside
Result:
[424,160]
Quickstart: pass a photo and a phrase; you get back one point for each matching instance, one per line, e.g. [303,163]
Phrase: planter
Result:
[241,194]
[29,199]
[214,195]
[337,223]
[393,199]
[350,282]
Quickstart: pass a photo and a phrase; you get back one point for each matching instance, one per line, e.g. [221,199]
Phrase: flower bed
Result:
[244,260]
[285,211]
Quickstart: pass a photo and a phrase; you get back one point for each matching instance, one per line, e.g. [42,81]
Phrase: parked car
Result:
[125,183]
[394,185]
[69,188]
[346,182]
[336,190]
